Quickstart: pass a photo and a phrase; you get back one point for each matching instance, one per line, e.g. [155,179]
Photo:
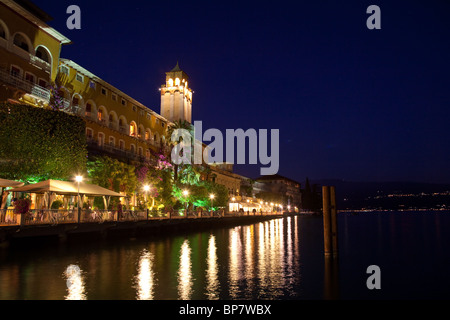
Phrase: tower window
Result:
[170,82]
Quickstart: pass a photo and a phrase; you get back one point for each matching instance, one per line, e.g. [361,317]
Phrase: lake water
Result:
[280,259]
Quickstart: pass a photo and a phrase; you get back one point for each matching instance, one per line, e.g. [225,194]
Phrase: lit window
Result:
[170,82]
[177,82]
[133,130]
[100,115]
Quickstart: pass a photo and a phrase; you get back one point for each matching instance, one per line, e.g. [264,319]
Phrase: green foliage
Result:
[38,144]
[56,204]
[113,175]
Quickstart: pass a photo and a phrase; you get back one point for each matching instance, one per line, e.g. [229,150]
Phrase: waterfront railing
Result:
[70,216]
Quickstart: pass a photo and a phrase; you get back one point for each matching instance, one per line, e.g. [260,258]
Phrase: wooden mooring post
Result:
[331,250]
[330,226]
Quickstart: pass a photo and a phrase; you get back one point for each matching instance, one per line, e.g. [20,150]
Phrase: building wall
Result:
[110,113]
[29,85]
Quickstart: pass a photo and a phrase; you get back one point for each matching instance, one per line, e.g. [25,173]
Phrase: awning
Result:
[10,184]
[67,188]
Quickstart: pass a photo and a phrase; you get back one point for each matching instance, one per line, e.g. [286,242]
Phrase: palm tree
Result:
[177,125]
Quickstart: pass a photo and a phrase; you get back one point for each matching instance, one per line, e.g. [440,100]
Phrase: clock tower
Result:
[176,96]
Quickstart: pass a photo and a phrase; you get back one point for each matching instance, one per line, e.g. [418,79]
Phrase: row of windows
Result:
[17,72]
[81,78]
[111,119]
[112,143]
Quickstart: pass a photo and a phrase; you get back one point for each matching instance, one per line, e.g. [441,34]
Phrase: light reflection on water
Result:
[75,283]
[185,281]
[277,259]
[145,279]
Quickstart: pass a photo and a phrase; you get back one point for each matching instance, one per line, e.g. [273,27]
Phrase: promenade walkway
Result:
[57,217]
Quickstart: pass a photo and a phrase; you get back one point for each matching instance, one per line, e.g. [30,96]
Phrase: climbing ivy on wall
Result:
[38,144]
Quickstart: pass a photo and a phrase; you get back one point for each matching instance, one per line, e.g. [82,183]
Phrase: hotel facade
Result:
[33,72]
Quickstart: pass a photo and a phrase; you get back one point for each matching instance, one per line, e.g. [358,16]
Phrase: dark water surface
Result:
[280,259]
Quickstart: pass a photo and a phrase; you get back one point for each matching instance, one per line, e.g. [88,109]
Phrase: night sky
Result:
[350,103]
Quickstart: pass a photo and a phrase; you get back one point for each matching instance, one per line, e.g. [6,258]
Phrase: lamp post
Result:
[146,190]
[79,179]
[212,196]
[186,194]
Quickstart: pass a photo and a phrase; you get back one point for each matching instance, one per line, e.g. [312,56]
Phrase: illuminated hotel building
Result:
[116,124]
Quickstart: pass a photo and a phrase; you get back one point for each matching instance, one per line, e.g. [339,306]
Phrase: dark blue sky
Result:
[351,103]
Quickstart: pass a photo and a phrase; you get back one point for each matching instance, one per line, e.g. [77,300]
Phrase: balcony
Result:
[103,148]
[30,88]
[41,64]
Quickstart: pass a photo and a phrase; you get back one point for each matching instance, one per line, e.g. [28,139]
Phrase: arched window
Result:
[100,115]
[43,54]
[177,82]
[2,31]
[170,82]
[88,109]
[21,42]
[133,129]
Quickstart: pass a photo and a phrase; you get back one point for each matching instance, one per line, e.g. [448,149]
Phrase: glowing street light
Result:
[186,194]
[78,180]
[212,197]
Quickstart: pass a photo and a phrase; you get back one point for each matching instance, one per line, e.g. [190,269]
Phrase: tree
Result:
[39,144]
[178,125]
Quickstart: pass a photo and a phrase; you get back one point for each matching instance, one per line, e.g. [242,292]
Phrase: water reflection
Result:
[75,283]
[212,281]
[185,272]
[146,277]
[235,268]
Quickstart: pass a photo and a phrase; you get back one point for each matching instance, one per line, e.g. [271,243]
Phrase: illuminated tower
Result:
[176,96]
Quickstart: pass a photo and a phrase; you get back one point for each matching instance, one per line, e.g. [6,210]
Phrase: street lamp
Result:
[186,194]
[79,179]
[212,196]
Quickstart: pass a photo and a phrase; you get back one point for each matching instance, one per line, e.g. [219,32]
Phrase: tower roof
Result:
[177,68]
